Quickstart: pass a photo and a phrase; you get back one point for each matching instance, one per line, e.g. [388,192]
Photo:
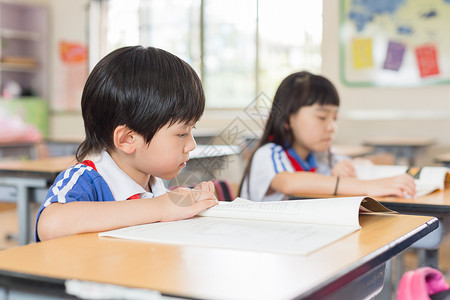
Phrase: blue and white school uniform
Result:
[108,183]
[271,159]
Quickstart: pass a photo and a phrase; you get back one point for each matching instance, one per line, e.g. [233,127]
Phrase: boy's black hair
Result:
[295,91]
[142,88]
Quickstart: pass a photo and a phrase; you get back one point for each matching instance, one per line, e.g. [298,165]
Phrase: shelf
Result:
[20,35]
[17,67]
[24,57]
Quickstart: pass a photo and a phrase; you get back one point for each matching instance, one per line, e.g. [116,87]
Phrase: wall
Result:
[366,112]
[69,23]
[40,2]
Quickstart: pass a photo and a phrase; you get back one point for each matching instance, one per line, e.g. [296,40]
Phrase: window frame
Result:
[97,49]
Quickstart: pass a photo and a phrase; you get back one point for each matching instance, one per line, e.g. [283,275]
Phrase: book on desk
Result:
[427,179]
[296,227]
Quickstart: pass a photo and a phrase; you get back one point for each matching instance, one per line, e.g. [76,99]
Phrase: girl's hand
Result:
[183,203]
[400,186]
[344,168]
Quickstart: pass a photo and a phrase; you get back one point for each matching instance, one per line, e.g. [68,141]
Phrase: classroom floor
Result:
[8,229]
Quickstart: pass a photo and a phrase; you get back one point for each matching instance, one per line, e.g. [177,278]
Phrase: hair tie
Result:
[336,186]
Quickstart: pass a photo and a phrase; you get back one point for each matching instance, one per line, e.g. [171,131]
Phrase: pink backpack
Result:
[423,284]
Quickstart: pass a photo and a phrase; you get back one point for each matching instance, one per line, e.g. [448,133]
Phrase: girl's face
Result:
[167,152]
[313,128]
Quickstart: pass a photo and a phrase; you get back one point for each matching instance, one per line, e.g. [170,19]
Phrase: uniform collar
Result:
[308,165]
[121,185]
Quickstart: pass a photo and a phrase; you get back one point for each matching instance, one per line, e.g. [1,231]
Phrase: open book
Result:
[290,227]
[428,179]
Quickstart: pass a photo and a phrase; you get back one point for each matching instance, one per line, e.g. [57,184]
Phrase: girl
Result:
[293,156]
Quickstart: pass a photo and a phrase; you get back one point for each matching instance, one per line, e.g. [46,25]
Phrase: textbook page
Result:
[238,234]
[290,227]
[329,211]
[430,179]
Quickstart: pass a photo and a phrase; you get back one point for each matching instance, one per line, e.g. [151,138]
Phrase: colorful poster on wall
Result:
[427,60]
[409,42]
[394,56]
[362,53]
[71,74]
[72,52]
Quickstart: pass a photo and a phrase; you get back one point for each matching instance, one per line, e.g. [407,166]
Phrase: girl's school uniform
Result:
[271,159]
[99,181]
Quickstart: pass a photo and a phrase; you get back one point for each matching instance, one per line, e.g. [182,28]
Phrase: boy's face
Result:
[313,128]
[168,151]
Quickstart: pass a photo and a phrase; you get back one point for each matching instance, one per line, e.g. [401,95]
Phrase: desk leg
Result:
[386,291]
[367,286]
[428,258]
[24,187]
[23,214]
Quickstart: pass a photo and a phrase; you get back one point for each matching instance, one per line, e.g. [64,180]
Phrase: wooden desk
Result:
[18,150]
[436,203]
[213,273]
[352,150]
[401,147]
[26,176]
[443,159]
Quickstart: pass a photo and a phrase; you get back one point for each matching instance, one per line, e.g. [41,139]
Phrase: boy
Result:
[139,106]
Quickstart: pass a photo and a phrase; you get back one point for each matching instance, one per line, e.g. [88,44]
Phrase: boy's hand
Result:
[183,203]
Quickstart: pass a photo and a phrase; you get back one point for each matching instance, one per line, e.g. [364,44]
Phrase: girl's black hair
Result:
[295,91]
[142,88]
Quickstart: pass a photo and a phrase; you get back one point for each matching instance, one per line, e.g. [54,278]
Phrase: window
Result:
[240,49]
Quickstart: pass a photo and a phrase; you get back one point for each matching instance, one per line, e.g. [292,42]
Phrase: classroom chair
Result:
[427,248]
[224,190]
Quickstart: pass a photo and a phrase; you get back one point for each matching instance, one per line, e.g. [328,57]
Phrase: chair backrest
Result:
[224,191]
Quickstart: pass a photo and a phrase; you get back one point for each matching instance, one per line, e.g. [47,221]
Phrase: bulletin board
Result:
[394,42]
